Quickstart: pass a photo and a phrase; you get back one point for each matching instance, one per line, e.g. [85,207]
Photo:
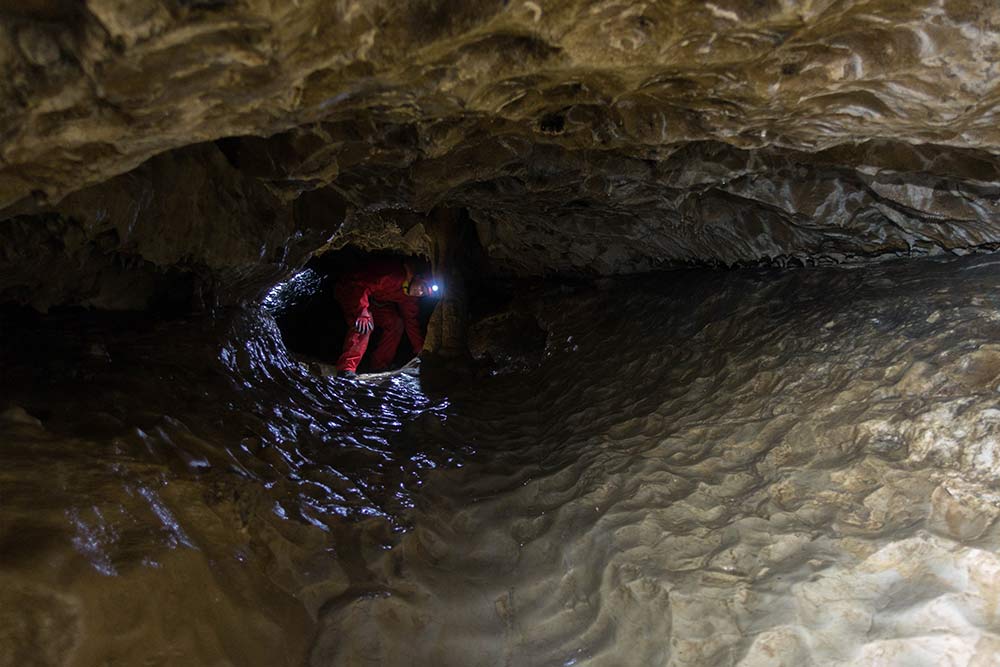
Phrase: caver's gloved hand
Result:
[364,324]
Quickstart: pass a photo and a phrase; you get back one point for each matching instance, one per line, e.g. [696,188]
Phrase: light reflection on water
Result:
[241,418]
[92,539]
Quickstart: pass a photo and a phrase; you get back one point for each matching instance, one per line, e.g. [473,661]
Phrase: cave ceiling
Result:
[232,138]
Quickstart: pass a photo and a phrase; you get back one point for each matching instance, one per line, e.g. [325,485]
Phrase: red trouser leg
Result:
[355,343]
[386,318]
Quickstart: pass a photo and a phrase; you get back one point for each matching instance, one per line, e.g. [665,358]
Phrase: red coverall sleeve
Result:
[410,310]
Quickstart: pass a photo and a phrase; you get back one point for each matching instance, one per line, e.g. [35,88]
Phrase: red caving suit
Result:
[378,288]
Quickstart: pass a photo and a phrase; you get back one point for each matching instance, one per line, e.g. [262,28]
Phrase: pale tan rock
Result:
[962,511]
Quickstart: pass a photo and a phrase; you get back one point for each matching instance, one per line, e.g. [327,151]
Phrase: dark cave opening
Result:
[312,323]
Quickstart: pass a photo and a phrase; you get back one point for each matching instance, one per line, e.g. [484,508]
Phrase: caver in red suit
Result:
[383,293]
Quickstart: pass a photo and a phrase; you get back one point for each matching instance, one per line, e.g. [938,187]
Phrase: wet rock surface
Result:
[760,467]
[182,492]
[769,467]
[508,340]
[748,469]
[582,137]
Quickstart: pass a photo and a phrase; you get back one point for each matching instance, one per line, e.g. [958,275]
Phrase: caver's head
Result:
[422,286]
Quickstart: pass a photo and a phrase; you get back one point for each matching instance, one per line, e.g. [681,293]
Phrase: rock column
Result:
[446,334]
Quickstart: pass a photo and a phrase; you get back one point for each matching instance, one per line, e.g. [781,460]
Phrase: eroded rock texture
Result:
[732,469]
[707,468]
[593,137]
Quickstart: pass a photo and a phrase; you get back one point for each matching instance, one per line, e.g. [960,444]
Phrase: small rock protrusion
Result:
[37,46]
[15,414]
[959,511]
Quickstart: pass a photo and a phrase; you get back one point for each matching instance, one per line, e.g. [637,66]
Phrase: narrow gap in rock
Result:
[312,321]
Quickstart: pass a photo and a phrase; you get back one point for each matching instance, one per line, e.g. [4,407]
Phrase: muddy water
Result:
[745,468]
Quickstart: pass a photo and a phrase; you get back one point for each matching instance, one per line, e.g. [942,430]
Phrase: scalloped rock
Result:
[585,137]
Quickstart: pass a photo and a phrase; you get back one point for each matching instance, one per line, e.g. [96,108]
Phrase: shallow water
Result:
[764,468]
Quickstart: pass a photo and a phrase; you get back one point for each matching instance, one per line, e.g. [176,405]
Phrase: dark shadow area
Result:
[311,321]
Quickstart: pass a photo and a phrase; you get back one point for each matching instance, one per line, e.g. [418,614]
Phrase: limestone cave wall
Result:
[206,148]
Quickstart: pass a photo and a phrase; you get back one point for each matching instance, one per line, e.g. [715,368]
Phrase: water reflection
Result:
[324,450]
[767,468]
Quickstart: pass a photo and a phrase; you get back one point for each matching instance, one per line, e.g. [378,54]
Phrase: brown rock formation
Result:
[593,137]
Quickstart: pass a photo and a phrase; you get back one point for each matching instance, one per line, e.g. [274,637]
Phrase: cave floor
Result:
[749,468]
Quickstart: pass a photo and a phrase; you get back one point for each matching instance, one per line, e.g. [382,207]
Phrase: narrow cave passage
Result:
[313,323]
[710,379]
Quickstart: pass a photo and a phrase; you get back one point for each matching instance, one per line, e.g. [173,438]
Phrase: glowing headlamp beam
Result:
[434,288]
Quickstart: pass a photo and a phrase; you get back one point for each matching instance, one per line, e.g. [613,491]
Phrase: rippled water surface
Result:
[745,468]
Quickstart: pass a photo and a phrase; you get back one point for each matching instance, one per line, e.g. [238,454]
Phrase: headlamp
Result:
[435,288]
